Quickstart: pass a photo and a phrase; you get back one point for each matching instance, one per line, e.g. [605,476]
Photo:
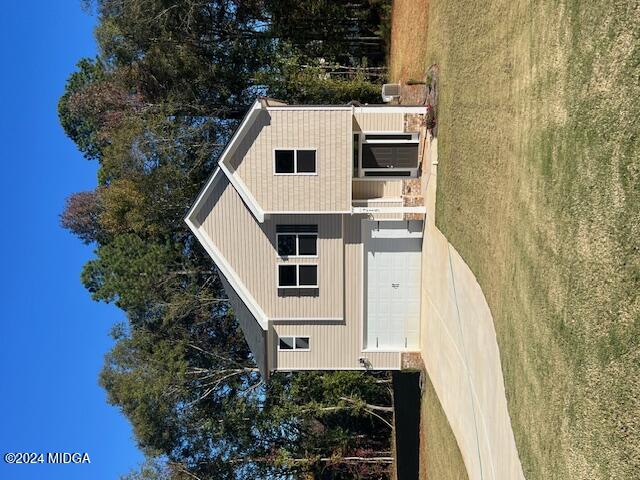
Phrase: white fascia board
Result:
[344,108]
[390,109]
[309,212]
[349,162]
[353,369]
[199,199]
[248,119]
[226,269]
[399,233]
[361,109]
[245,194]
[357,210]
[229,150]
[367,201]
[306,319]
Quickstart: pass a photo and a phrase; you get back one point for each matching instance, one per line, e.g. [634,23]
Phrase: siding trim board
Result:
[285,320]
[329,369]
[226,269]
[230,149]
[390,109]
[305,212]
[299,108]
[354,109]
[248,199]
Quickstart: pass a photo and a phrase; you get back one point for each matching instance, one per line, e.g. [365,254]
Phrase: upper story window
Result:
[297,240]
[297,276]
[294,161]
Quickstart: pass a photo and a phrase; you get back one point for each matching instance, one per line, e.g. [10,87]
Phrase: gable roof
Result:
[221,262]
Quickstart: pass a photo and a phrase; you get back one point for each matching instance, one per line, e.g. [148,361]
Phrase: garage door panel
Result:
[393,272]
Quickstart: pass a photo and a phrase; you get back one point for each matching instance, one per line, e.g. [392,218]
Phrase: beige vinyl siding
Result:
[250,250]
[378,122]
[337,345]
[327,131]
[365,189]
[255,336]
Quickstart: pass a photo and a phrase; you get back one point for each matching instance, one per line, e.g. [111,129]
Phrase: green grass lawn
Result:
[440,457]
[539,190]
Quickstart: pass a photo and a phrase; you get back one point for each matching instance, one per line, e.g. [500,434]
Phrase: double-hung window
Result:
[294,161]
[297,240]
[293,343]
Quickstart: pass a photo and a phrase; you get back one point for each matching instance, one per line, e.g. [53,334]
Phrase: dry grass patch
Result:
[408,53]
[440,457]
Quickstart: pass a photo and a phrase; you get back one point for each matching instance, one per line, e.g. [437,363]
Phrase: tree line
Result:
[155,108]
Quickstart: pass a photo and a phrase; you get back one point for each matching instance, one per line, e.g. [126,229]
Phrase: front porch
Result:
[389,180]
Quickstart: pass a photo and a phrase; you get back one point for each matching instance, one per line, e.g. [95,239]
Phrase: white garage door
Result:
[392,277]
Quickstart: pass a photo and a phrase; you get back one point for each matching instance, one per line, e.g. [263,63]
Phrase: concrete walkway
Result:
[460,351]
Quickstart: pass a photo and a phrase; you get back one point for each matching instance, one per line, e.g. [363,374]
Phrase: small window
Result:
[285,161]
[293,343]
[297,276]
[297,240]
[287,245]
[308,275]
[286,343]
[356,153]
[306,162]
[308,245]
[295,161]
[287,276]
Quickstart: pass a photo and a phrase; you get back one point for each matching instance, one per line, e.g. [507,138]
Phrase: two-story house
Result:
[314,222]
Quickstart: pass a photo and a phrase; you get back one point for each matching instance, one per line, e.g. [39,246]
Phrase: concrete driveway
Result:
[460,351]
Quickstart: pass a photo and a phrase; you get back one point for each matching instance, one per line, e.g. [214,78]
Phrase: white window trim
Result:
[294,349]
[297,234]
[297,265]
[295,162]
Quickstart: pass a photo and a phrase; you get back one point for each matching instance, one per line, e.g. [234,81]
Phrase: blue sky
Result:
[53,337]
